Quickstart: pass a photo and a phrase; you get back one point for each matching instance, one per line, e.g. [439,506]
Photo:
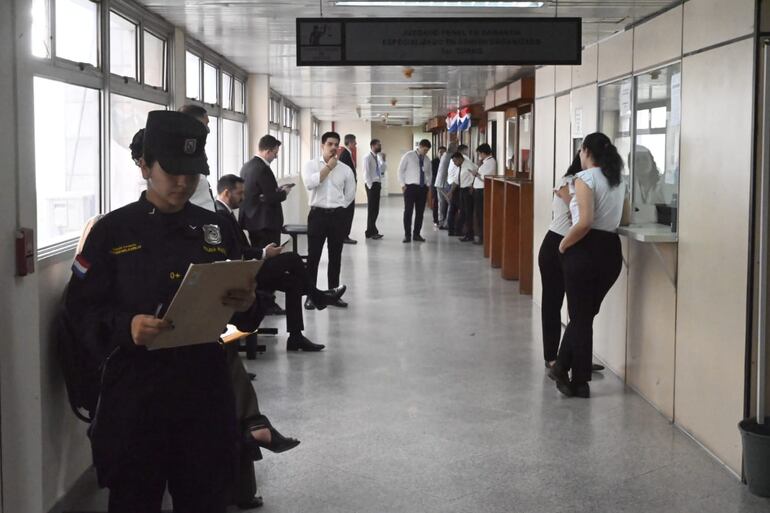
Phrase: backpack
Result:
[81,376]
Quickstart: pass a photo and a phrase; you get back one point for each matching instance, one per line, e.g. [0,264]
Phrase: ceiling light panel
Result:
[463,4]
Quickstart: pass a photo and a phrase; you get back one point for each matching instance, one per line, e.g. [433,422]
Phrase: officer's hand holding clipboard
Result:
[207,298]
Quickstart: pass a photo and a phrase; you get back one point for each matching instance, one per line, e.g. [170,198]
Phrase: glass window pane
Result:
[66,159]
[193,66]
[656,150]
[209,83]
[277,164]
[615,117]
[525,142]
[122,46]
[295,168]
[154,60]
[127,116]
[41,29]
[76,30]
[227,87]
[212,152]
[238,96]
[232,147]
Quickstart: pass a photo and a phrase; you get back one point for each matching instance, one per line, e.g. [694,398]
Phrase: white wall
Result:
[680,345]
[396,140]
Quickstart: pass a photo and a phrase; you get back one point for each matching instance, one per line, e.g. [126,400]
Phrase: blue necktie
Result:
[377,165]
[422,172]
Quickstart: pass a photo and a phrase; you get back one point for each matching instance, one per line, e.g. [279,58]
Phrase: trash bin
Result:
[756,455]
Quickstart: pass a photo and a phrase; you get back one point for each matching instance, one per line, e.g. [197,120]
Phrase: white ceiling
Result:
[259,36]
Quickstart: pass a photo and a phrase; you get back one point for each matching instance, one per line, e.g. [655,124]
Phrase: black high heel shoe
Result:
[278,442]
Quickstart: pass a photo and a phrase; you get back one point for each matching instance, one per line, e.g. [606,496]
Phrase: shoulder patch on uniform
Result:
[80,266]
[212,234]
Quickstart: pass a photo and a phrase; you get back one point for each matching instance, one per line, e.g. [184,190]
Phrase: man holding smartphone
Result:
[261,213]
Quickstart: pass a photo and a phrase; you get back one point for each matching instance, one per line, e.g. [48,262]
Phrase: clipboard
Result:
[197,311]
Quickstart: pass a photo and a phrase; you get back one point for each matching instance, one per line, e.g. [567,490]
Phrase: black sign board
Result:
[437,41]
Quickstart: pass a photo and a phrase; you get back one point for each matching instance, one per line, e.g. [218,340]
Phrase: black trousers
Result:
[286,272]
[478,213]
[415,197]
[326,225]
[350,211]
[373,208]
[453,210]
[552,279]
[467,198]
[261,238]
[590,267]
[434,203]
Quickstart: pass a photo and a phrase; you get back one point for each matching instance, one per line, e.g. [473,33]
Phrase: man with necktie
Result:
[373,178]
[414,175]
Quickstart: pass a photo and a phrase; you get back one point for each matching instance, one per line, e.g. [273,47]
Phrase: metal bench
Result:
[294,231]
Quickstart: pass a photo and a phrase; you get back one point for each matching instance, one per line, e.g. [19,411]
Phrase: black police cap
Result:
[177,141]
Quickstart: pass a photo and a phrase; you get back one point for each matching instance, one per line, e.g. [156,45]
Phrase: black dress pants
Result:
[552,279]
[373,208]
[434,203]
[478,213]
[591,267]
[261,238]
[453,209]
[415,197]
[467,197]
[286,272]
[324,224]
[350,210]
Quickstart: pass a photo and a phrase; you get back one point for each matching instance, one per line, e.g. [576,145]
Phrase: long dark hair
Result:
[605,155]
[575,167]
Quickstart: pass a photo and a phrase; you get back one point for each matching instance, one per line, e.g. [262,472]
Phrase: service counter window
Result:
[511,143]
[525,142]
[656,150]
[615,113]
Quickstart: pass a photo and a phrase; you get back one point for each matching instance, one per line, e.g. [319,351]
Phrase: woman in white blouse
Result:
[592,257]
[549,262]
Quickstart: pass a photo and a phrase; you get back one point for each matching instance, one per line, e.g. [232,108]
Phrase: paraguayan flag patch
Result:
[80,266]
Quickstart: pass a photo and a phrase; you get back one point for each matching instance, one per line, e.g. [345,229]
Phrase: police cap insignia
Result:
[190,145]
[212,234]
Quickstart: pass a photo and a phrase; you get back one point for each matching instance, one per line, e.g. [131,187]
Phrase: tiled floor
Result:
[431,397]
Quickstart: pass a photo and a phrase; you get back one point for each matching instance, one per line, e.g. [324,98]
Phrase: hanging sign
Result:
[438,41]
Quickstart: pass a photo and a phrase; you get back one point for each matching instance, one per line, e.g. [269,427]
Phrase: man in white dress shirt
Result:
[414,175]
[467,174]
[488,167]
[332,187]
[373,179]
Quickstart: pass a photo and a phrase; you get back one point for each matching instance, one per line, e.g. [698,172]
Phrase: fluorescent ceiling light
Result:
[436,3]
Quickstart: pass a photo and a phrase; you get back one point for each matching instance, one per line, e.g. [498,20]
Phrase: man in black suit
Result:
[280,271]
[346,157]
[261,213]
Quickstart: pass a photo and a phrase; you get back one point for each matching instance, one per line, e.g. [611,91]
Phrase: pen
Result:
[158,309]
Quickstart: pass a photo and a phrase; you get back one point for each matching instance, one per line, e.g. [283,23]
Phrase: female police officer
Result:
[167,417]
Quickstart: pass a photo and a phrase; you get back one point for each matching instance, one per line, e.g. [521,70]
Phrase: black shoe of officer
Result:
[253,503]
[299,342]
[328,297]
[309,304]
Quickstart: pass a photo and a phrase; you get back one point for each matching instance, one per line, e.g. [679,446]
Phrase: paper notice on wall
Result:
[577,125]
[676,99]
[625,98]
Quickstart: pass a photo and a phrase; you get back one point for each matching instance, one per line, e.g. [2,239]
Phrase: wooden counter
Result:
[509,229]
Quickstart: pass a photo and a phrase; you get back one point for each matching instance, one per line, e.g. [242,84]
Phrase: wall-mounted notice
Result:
[437,41]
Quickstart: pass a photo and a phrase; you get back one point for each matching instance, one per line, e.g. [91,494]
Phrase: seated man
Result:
[280,271]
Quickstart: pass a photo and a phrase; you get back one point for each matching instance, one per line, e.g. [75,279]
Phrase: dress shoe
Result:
[417,238]
[377,236]
[557,373]
[339,303]
[348,240]
[328,297]
[253,503]
[302,343]
[581,390]
[309,304]
[278,442]
[466,239]
[275,309]
[407,240]
[252,376]
[595,367]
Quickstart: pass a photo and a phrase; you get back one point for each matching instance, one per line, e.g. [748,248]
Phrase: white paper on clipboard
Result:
[197,311]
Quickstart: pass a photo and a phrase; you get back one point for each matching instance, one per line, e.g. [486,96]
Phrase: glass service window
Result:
[510,145]
[77,35]
[123,47]
[227,91]
[525,142]
[154,60]
[656,148]
[209,83]
[127,116]
[193,75]
[615,112]
[41,29]
[232,147]
[67,163]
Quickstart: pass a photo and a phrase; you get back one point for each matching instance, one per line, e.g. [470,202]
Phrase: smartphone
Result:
[289,185]
[283,244]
